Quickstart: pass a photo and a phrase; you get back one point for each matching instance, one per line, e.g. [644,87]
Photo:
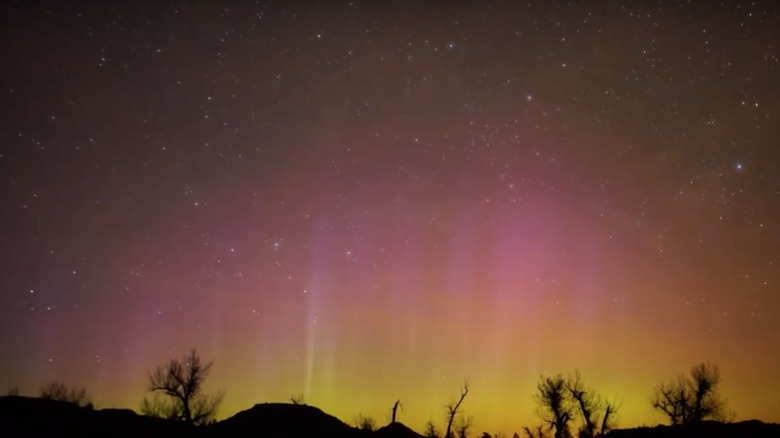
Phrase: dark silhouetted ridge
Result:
[396,430]
[25,416]
[705,429]
[282,420]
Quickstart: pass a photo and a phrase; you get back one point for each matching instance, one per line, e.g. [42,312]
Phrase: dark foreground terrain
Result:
[24,416]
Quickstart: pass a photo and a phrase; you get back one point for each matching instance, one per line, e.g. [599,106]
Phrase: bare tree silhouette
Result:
[564,400]
[556,408]
[177,391]
[608,420]
[452,409]
[537,433]
[430,430]
[59,391]
[691,399]
[597,415]
[462,426]
[396,405]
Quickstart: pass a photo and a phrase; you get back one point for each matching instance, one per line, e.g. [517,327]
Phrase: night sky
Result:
[364,201]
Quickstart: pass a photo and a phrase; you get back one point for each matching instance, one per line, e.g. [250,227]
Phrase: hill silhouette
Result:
[709,429]
[396,430]
[26,416]
[282,420]
[297,421]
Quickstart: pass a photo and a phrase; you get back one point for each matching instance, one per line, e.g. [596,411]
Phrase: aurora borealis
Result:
[367,201]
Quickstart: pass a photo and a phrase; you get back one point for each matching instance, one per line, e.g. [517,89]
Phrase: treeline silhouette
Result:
[177,406]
